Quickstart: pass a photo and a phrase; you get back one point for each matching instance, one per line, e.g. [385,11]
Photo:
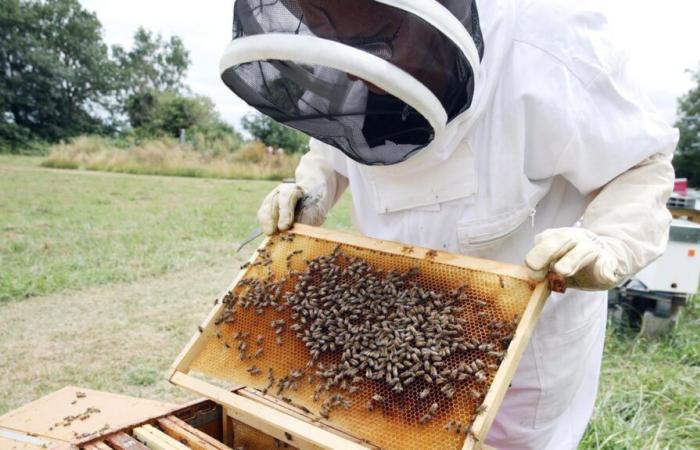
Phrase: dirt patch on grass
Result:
[120,338]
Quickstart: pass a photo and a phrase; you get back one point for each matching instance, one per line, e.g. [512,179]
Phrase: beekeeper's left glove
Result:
[317,184]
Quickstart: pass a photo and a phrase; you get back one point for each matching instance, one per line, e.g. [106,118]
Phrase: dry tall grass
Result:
[168,157]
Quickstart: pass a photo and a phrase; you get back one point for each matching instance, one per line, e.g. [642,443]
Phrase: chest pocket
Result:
[480,237]
[422,184]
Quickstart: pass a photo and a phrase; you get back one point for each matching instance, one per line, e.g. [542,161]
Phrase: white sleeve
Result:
[616,129]
[588,121]
[584,115]
[630,213]
[317,176]
[621,150]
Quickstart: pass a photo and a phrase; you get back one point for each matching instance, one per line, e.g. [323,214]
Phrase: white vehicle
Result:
[652,300]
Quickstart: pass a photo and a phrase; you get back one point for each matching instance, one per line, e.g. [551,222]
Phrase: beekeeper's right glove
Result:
[316,179]
[624,228]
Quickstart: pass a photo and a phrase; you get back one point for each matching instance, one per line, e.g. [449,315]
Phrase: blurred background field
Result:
[105,277]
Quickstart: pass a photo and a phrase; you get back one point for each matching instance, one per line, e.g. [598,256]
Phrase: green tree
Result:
[57,74]
[142,109]
[274,134]
[687,158]
[152,64]
[153,113]
[184,113]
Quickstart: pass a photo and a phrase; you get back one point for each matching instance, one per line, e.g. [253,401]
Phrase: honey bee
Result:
[433,408]
[378,398]
[450,425]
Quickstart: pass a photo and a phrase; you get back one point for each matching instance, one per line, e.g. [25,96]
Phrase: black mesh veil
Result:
[357,117]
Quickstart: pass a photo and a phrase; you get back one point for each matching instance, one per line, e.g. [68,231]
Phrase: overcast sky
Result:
[661,38]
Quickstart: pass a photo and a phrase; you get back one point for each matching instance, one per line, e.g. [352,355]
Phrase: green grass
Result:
[70,230]
[650,390]
[21,160]
[119,337]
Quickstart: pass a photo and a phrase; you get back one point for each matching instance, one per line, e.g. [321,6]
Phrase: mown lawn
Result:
[105,276]
[70,230]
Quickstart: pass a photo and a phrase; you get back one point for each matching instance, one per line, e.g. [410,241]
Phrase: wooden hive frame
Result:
[303,431]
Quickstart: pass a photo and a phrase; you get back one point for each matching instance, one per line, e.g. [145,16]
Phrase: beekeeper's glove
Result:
[623,230]
[579,255]
[315,179]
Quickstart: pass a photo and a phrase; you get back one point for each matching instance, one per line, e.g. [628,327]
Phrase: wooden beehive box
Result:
[251,356]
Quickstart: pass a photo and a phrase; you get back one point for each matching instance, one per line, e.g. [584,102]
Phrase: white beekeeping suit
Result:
[557,149]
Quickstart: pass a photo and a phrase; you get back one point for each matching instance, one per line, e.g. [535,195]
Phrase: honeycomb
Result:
[398,421]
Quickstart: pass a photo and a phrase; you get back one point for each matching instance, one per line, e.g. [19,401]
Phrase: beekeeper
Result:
[506,129]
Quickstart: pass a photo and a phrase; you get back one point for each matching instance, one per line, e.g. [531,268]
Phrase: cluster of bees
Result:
[378,326]
[384,326]
[68,420]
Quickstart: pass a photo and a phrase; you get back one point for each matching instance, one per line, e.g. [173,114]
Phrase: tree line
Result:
[61,80]
[687,158]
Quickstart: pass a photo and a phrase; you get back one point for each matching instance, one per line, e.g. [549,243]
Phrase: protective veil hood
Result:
[377,79]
